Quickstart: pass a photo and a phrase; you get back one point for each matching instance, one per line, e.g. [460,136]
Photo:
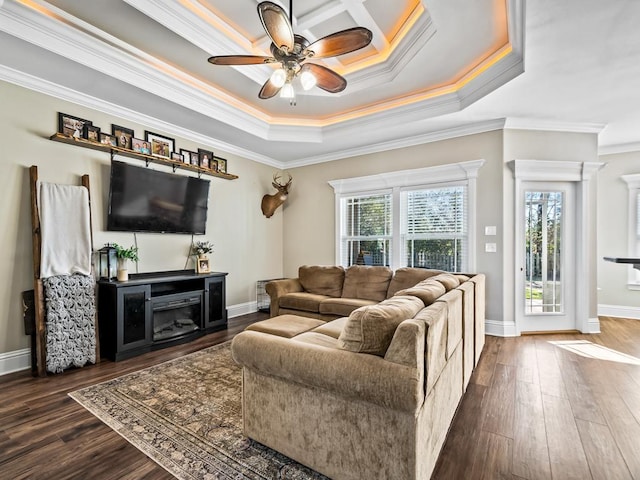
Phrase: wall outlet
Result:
[491,230]
[490,247]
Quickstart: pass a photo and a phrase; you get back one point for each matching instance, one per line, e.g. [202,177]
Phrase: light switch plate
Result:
[490,247]
[491,230]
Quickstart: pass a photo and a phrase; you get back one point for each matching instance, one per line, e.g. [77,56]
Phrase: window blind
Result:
[434,231]
[366,230]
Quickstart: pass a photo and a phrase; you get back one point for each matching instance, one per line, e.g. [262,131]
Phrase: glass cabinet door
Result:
[214,296]
[134,317]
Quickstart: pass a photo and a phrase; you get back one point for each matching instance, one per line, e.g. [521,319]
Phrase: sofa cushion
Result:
[315,338]
[322,279]
[333,328]
[449,280]
[343,306]
[286,326]
[427,290]
[309,302]
[366,282]
[406,277]
[370,329]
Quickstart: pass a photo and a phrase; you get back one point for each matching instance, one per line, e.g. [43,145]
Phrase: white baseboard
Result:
[242,309]
[15,361]
[593,325]
[620,311]
[21,359]
[497,328]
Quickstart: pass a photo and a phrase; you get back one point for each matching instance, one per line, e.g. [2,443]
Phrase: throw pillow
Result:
[370,329]
[428,291]
[322,279]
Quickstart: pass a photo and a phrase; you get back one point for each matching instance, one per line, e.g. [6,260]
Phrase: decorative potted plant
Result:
[201,248]
[124,254]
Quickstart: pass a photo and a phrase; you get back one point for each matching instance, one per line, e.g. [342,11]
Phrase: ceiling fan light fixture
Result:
[291,50]
[308,80]
[279,77]
[287,91]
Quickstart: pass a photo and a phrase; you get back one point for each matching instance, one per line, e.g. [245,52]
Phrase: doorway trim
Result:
[562,171]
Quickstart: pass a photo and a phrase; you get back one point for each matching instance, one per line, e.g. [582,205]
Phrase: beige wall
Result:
[613,217]
[247,245]
[309,213]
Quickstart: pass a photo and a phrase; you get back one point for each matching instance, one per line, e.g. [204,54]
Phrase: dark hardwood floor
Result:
[533,410]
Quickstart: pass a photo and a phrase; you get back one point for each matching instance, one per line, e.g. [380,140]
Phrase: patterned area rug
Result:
[186,415]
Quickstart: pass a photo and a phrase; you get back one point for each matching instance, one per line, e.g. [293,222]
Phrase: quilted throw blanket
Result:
[70,321]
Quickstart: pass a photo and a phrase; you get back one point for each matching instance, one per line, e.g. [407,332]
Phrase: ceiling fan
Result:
[292,51]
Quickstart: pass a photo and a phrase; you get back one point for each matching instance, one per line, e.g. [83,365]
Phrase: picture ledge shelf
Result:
[125,152]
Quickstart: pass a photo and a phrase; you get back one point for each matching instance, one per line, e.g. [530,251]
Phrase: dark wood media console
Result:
[157,310]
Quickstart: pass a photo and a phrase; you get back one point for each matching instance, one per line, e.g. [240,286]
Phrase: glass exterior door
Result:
[546,291]
[543,252]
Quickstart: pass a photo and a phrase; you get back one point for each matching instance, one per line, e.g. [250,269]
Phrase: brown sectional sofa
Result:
[372,394]
[330,292]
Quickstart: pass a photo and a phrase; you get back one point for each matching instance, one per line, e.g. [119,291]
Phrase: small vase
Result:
[123,273]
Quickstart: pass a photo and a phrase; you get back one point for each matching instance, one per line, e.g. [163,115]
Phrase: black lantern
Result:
[107,262]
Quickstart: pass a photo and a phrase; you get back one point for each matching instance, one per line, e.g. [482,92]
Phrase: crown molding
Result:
[619,148]
[48,88]
[436,136]
[197,25]
[385,72]
[56,31]
[552,125]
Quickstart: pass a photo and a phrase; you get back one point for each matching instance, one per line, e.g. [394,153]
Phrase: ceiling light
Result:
[308,80]
[287,91]
[293,52]
[278,78]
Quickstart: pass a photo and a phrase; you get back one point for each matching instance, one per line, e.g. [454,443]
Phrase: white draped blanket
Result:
[65,230]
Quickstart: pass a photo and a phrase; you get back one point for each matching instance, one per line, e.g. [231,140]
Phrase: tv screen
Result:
[145,200]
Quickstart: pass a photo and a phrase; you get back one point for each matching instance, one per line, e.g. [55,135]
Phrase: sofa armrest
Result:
[277,288]
[350,375]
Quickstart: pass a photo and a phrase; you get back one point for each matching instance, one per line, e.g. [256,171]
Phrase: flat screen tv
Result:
[145,200]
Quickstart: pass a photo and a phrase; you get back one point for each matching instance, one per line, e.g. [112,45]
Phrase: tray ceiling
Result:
[434,68]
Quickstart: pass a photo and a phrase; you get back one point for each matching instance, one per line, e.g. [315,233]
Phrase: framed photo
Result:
[71,126]
[176,156]
[205,157]
[203,265]
[123,134]
[195,159]
[222,165]
[140,146]
[186,155]
[91,132]
[214,164]
[108,139]
[161,146]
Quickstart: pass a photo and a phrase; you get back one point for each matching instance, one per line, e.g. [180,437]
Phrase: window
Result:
[416,218]
[366,230]
[434,228]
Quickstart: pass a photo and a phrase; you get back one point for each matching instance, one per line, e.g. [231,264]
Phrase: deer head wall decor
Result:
[270,203]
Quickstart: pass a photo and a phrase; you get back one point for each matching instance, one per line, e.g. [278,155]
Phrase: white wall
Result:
[247,245]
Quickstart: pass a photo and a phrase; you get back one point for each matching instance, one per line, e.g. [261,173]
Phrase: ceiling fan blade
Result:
[277,25]
[268,90]
[326,78]
[240,60]
[339,43]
